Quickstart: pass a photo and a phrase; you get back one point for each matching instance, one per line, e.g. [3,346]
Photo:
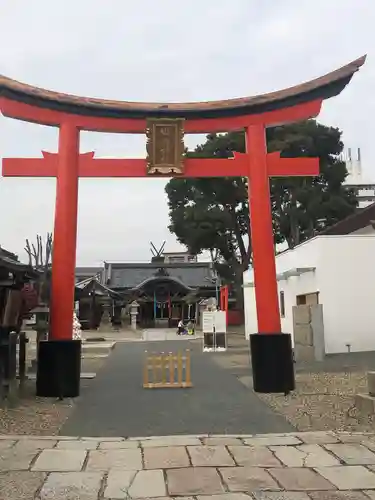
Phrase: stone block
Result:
[365,404]
[148,483]
[301,315]
[254,456]
[352,477]
[280,495]
[6,443]
[222,441]
[225,496]
[72,486]
[317,437]
[166,457]
[303,334]
[194,481]
[60,461]
[105,460]
[210,456]
[306,455]
[118,483]
[352,454]
[112,445]
[338,495]
[371,383]
[77,445]
[35,444]
[273,440]
[304,353]
[20,485]
[248,479]
[170,441]
[300,479]
[13,460]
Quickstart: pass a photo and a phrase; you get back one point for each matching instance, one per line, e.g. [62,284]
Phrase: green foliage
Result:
[212,213]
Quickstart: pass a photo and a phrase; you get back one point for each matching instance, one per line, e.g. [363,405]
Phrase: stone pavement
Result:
[295,466]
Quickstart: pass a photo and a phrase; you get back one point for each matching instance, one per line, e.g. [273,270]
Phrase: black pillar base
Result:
[272,362]
[59,369]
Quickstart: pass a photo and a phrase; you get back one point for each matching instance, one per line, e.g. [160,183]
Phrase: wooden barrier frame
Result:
[166,370]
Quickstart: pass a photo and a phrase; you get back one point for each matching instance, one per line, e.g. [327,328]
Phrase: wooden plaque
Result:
[165,146]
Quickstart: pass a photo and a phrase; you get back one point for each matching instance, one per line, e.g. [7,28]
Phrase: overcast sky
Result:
[165,50]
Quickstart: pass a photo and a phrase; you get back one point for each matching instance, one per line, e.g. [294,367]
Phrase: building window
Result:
[282,304]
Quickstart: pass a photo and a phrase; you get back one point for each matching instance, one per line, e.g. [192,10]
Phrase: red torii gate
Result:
[271,352]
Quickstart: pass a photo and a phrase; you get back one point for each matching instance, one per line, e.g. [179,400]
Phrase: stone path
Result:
[159,334]
[297,466]
[115,403]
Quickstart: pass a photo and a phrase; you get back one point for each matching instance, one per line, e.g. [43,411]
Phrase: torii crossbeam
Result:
[164,124]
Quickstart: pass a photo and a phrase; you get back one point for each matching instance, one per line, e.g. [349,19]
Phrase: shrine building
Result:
[167,289]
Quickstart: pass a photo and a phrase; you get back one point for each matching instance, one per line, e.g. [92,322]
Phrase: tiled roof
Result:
[82,273]
[361,218]
[130,275]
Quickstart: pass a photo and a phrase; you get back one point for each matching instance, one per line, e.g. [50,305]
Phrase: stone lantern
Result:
[134,306]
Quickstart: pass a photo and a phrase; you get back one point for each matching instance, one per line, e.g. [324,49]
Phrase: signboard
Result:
[214,327]
[208,322]
[165,146]
[220,321]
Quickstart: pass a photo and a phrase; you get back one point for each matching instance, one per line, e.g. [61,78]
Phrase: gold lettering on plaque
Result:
[165,146]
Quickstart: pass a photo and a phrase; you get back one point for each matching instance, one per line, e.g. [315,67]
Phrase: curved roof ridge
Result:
[323,87]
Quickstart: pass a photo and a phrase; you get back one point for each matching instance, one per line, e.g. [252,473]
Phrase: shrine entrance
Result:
[162,301]
[165,125]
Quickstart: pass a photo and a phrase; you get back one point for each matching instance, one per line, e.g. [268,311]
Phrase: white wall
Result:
[365,230]
[344,276]
[305,255]
[347,285]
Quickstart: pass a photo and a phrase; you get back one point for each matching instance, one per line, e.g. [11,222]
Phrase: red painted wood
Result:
[194,167]
[235,317]
[65,234]
[266,294]
[68,165]
[224,296]
[290,167]
[34,114]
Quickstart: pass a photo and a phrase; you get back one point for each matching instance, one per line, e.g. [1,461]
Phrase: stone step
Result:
[371,383]
[84,376]
[87,348]
[365,404]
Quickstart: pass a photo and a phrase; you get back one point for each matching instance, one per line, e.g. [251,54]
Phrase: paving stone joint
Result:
[296,466]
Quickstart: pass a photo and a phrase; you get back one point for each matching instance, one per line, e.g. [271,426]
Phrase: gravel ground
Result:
[323,401]
[35,416]
[41,416]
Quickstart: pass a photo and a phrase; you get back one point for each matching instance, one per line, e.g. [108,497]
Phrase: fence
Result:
[165,370]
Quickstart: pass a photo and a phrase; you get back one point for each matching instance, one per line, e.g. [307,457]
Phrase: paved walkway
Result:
[115,403]
[301,466]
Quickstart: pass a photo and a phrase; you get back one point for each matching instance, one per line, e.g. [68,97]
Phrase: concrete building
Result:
[363,186]
[329,280]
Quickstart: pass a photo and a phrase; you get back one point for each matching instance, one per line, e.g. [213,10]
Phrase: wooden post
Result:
[266,295]
[12,367]
[23,340]
[187,368]
[65,234]
[163,361]
[171,368]
[154,368]
[145,369]
[179,367]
